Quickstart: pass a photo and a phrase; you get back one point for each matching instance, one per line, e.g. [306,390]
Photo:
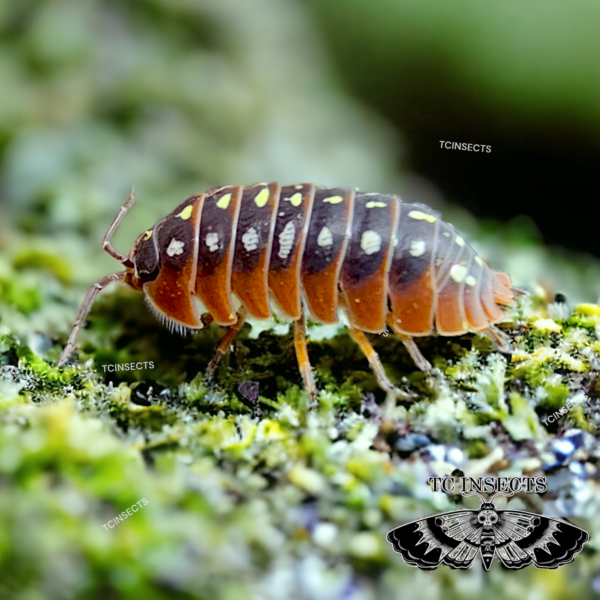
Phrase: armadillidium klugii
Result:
[383,261]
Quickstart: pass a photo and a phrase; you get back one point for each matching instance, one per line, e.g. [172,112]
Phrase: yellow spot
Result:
[296,199]
[375,204]
[334,199]
[458,272]
[479,261]
[470,280]
[421,216]
[547,326]
[465,325]
[186,213]
[147,235]
[262,198]
[224,201]
[459,241]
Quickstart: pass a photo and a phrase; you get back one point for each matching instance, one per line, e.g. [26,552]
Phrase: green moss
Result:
[245,499]
[23,293]
[477,449]
[33,258]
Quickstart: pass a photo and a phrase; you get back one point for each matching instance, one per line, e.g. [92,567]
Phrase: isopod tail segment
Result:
[385,262]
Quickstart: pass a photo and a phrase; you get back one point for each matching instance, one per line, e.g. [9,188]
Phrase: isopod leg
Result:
[391,392]
[412,348]
[206,319]
[499,339]
[415,353]
[225,343]
[85,309]
[106,245]
[302,356]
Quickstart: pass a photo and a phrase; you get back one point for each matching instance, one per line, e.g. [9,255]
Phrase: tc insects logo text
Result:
[518,538]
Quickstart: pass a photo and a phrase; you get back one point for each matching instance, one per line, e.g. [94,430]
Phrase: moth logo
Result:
[517,537]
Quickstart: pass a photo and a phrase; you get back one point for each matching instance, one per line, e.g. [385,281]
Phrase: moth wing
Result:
[524,537]
[449,538]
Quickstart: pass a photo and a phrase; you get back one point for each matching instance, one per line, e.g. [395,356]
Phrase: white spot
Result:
[459,241]
[479,261]
[470,280]
[175,247]
[417,248]
[458,272]
[299,187]
[370,242]
[446,234]
[286,240]
[250,239]
[212,241]
[325,238]
[421,216]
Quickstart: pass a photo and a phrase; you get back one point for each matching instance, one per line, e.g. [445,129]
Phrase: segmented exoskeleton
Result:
[384,261]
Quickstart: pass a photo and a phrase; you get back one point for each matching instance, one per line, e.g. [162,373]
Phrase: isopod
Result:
[382,260]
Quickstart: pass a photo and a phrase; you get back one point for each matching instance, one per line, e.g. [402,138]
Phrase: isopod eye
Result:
[480,518]
[493,518]
[145,257]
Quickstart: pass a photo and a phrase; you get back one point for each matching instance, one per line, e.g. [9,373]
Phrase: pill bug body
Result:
[382,260]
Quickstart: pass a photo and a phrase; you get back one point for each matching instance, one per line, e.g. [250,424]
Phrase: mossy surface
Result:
[250,494]
[264,497]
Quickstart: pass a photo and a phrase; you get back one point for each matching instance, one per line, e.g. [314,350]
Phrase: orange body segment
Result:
[492,310]
[171,293]
[502,288]
[476,317]
[218,224]
[364,276]
[327,239]
[449,314]
[321,293]
[413,305]
[289,240]
[249,276]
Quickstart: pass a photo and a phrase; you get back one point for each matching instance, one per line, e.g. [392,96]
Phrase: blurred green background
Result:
[174,97]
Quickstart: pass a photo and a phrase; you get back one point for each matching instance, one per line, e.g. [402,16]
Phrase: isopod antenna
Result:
[101,283]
